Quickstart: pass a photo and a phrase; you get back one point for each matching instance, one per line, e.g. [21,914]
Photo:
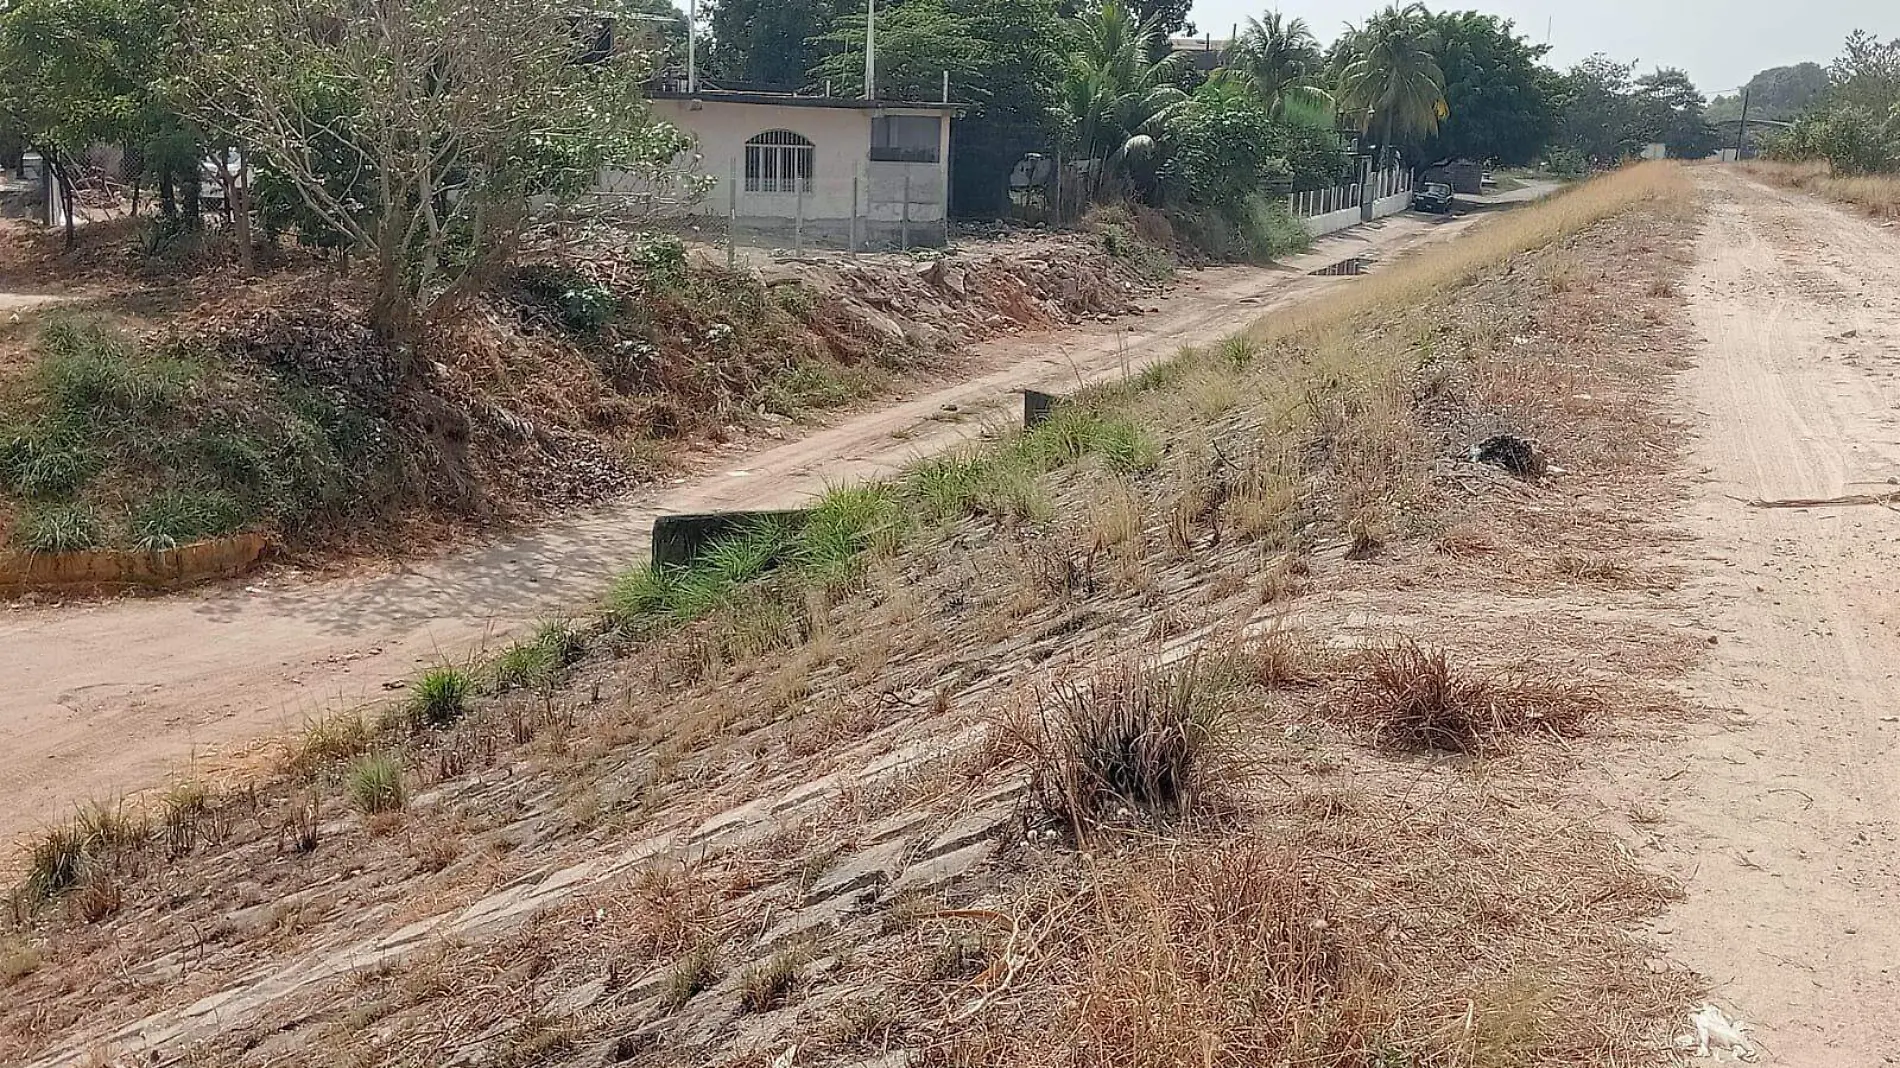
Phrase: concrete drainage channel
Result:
[1353,265]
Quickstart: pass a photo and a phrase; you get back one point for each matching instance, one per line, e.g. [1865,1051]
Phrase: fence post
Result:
[732,215]
[856,173]
[904,231]
[798,217]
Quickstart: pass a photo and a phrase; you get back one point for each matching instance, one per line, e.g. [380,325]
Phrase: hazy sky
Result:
[1721,43]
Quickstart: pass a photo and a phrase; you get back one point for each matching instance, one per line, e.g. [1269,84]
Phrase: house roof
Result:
[719,96]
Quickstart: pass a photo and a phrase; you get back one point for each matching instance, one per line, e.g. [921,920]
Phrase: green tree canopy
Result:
[1597,121]
[1498,102]
[1669,109]
[1279,61]
[1392,83]
[1114,102]
[918,42]
[768,42]
[1775,93]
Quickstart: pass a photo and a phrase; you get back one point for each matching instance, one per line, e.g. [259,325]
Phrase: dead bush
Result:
[1412,698]
[1131,736]
[1288,660]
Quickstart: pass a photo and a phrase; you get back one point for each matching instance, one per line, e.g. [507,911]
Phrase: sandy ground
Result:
[1780,817]
[109,697]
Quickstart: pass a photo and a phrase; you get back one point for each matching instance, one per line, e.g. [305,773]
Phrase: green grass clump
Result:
[176,445]
[539,660]
[440,697]
[58,528]
[654,596]
[847,523]
[375,785]
[172,518]
[696,970]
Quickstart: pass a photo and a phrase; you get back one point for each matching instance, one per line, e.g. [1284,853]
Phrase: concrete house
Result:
[841,172]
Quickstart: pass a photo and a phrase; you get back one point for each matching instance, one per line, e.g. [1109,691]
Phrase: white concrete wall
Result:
[850,195]
[1332,222]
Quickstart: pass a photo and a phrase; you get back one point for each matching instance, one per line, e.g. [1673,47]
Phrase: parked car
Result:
[1434,197]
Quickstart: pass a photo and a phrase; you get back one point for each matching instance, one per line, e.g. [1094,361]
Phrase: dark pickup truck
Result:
[1434,197]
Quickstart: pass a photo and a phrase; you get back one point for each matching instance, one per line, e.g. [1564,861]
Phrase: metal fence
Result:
[767,206]
[1316,202]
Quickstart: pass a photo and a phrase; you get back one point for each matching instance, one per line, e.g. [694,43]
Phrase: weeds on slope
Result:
[1458,973]
[1877,195]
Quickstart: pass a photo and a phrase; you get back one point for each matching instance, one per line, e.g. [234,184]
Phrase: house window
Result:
[778,161]
[905,138]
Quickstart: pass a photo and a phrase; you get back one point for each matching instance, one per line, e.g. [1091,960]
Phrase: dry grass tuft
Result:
[1412,698]
[1131,737]
[1225,956]
[1289,660]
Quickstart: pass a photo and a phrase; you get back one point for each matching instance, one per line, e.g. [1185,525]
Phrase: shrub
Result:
[59,528]
[1132,737]
[765,985]
[1411,698]
[375,785]
[845,524]
[582,305]
[440,697]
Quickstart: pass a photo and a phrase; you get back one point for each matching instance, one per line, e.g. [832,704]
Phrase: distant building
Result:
[1462,175]
[827,170]
[1203,54]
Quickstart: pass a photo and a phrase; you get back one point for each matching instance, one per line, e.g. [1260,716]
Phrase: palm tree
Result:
[1278,59]
[1114,102]
[1391,78]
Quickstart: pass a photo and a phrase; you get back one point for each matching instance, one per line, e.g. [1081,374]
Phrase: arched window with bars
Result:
[778,161]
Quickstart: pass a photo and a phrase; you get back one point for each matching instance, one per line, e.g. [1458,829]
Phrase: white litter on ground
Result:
[1716,1034]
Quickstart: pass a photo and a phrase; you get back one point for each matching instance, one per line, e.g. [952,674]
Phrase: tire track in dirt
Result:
[109,697]
[1782,817]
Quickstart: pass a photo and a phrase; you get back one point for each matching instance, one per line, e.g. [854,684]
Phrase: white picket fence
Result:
[1322,211]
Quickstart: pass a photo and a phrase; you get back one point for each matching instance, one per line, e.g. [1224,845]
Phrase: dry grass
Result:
[1130,739]
[1877,195]
[1469,933]
[1459,928]
[1412,698]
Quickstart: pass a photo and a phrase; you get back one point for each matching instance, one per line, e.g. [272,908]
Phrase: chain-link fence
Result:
[780,200]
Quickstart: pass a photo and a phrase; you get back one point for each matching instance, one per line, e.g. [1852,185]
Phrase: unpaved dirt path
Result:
[101,699]
[1782,818]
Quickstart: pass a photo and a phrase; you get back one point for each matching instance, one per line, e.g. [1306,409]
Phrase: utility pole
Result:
[870,50]
[692,56]
[1741,133]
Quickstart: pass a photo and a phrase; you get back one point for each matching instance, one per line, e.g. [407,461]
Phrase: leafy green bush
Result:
[539,660]
[661,259]
[582,305]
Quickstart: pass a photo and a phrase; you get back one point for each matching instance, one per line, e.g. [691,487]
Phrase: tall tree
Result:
[472,122]
[1168,17]
[918,42]
[1114,101]
[1497,96]
[1009,97]
[1775,93]
[1669,110]
[79,73]
[1279,60]
[1597,120]
[768,42]
[1867,74]
[1392,82]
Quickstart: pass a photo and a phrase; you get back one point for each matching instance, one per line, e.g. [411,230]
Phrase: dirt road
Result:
[1782,818]
[107,698]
